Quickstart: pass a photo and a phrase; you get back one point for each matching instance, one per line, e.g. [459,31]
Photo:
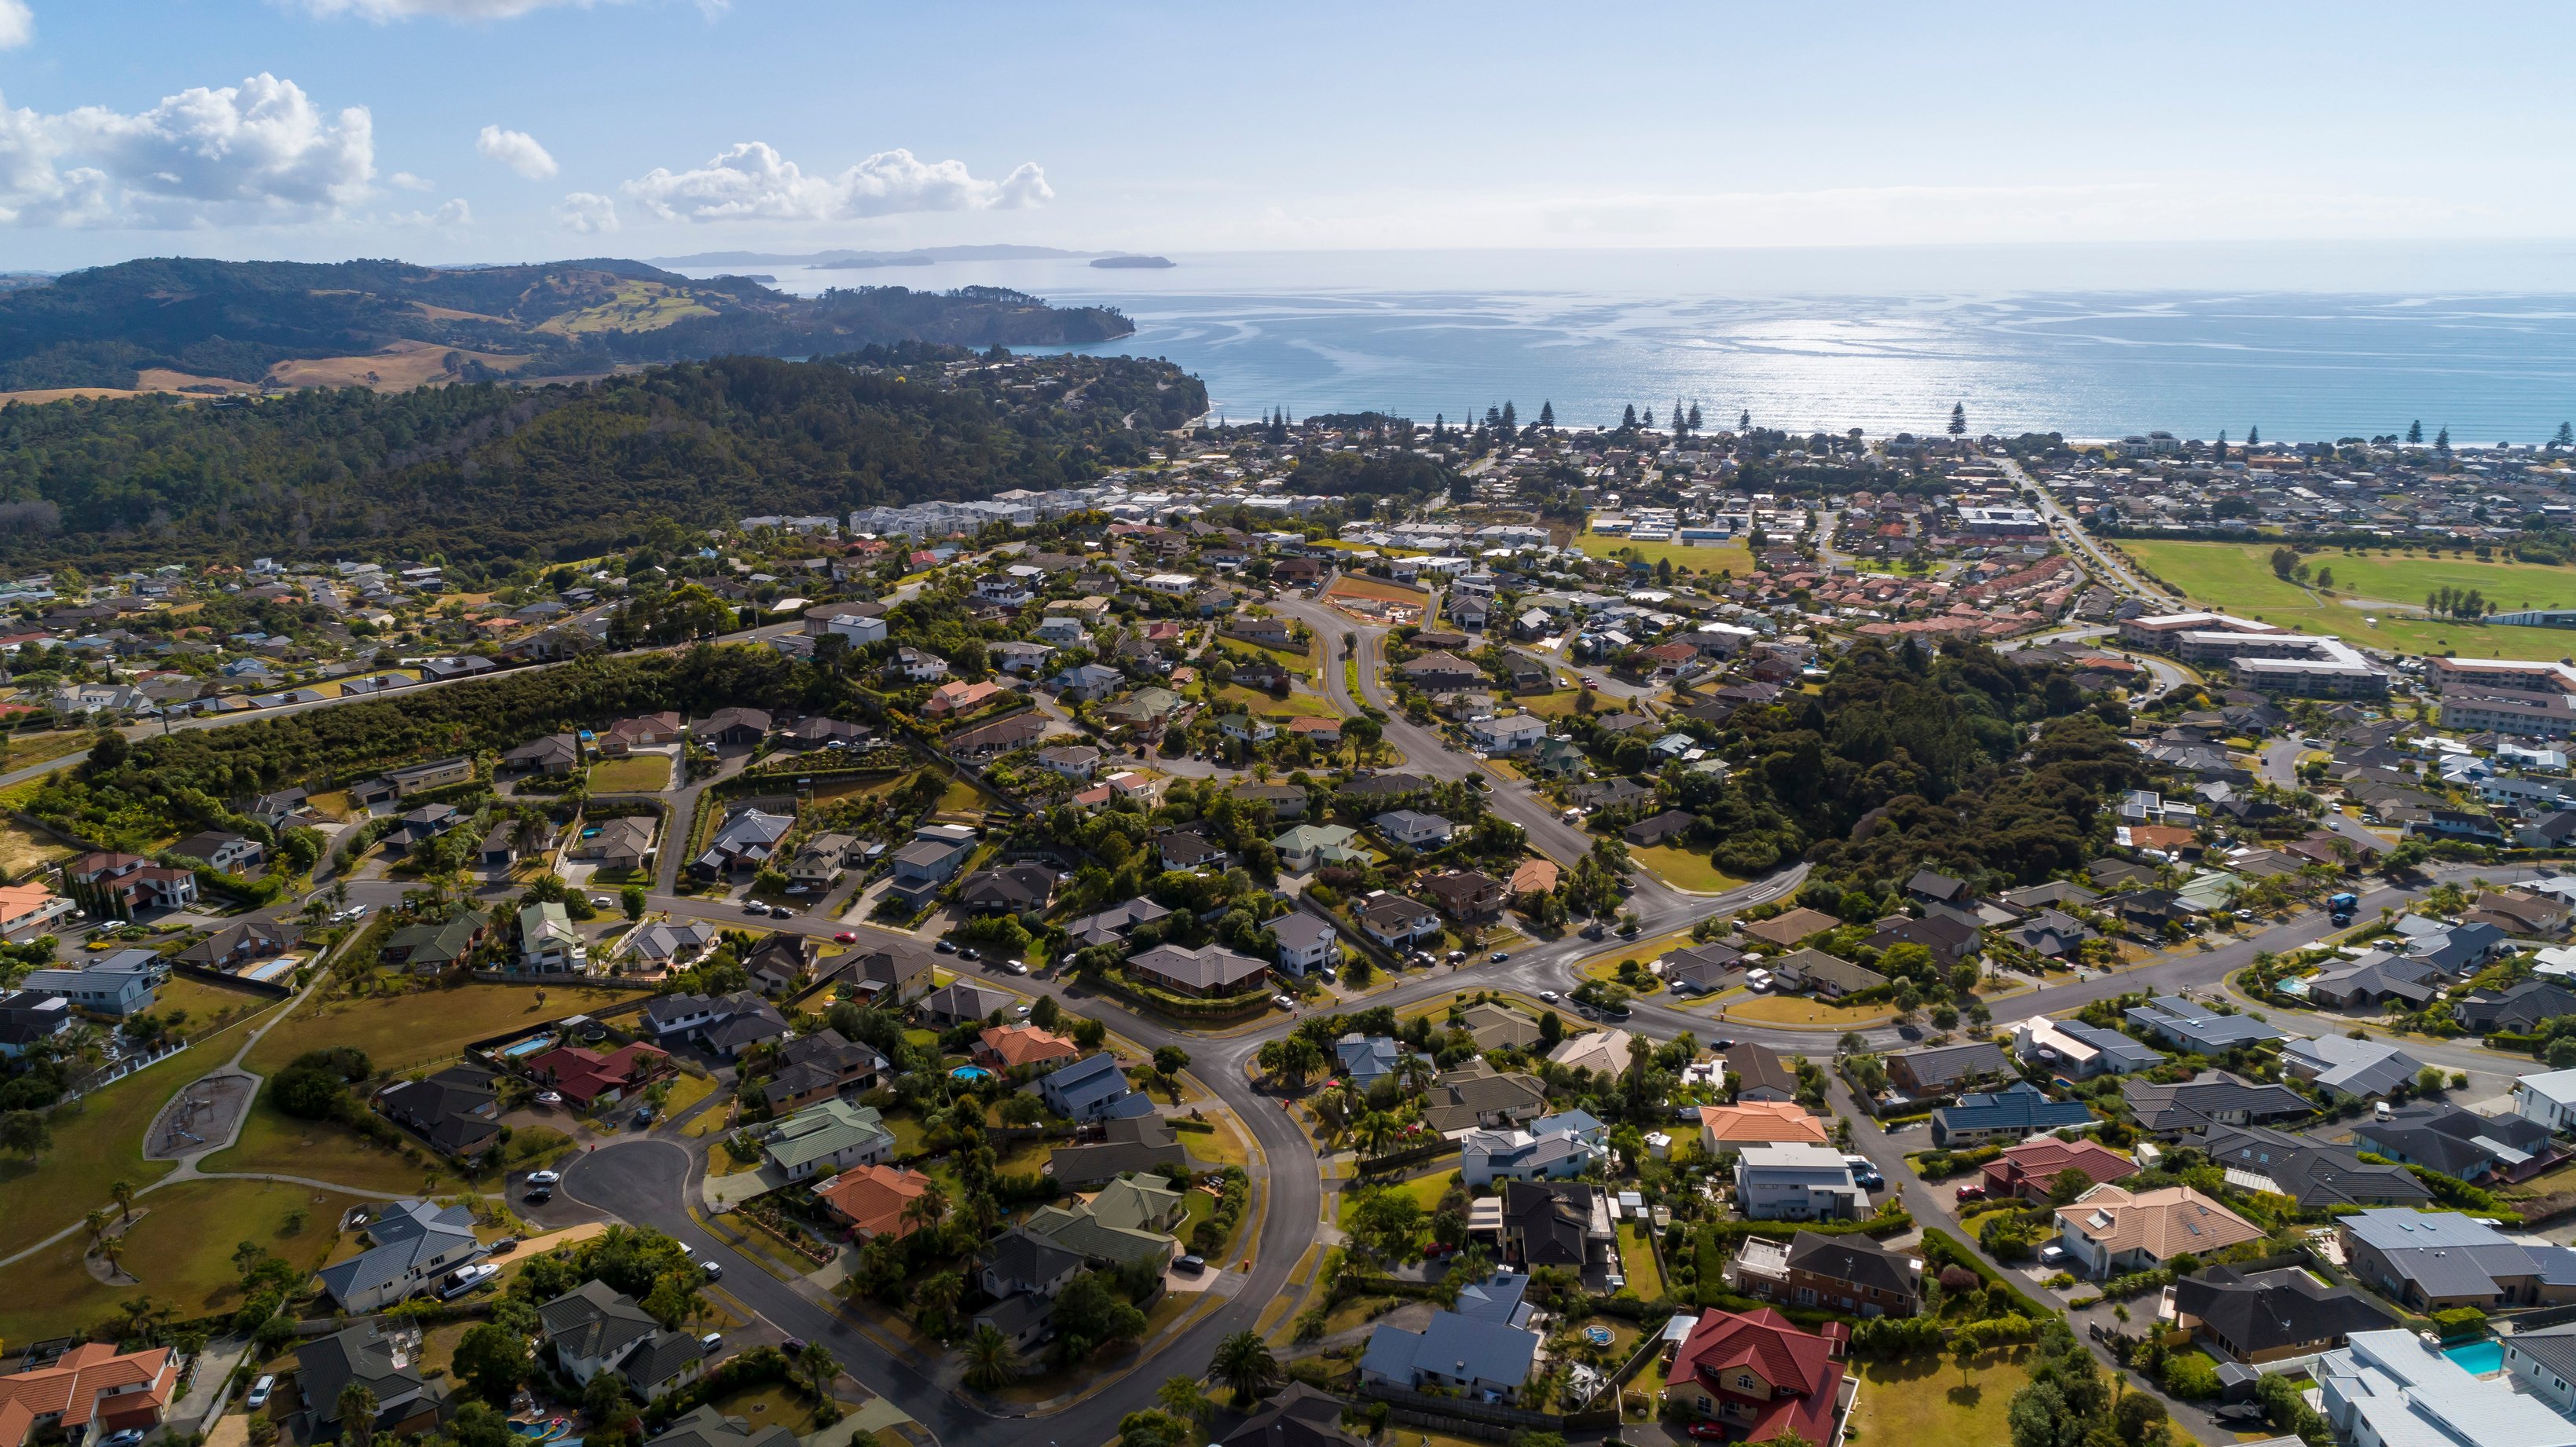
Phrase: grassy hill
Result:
[210,326]
[2377,599]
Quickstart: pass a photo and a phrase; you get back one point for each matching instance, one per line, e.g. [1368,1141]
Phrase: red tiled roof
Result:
[92,1381]
[583,1075]
[1790,1360]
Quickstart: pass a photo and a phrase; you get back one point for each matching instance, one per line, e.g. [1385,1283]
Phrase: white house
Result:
[1487,1156]
[1797,1183]
[548,941]
[1509,734]
[1179,585]
[1064,633]
[856,628]
[1413,828]
[2548,1097]
[1304,942]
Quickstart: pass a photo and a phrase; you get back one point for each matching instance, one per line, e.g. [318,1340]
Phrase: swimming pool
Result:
[2478,1358]
[282,965]
[529,1046]
[970,1072]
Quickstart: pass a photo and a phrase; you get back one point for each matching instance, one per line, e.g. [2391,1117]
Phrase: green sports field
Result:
[1732,558]
[2237,578]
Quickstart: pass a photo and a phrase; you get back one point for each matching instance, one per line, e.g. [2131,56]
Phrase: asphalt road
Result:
[2073,536]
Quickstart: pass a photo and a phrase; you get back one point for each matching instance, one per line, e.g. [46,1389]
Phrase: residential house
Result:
[1847,1273]
[1092,1088]
[327,1366]
[872,1200]
[1701,969]
[2212,1097]
[2074,1048]
[1949,940]
[1758,1378]
[665,946]
[1465,895]
[230,853]
[595,1328]
[1396,922]
[2436,1260]
[587,1077]
[2016,1112]
[959,1001]
[457,1111]
[746,838]
[924,866]
[1533,1154]
[555,755]
[2549,1097]
[1476,1094]
[1112,926]
[2266,1316]
[2198,1028]
[129,883]
[548,943]
[87,1395]
[707,1427]
[1556,1223]
[2110,1231]
[1010,1047]
[1499,1027]
[1452,1353]
[1304,942]
[1797,1182]
[1829,976]
[2461,1144]
[2318,1175]
[1758,1122]
[1945,1069]
[1661,829]
[1134,1145]
[2344,1068]
[1209,971]
[1761,1076]
[732,727]
[118,985]
[825,1138]
[30,910]
[816,1067]
[410,1244]
[1602,1052]
[1010,889]
[1188,849]
[2031,1169]
[1414,829]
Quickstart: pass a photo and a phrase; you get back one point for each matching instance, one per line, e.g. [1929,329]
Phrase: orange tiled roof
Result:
[873,1197]
[92,1381]
[1761,1122]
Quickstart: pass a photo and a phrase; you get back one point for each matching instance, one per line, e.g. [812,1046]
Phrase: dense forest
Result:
[237,319]
[480,473]
[1967,760]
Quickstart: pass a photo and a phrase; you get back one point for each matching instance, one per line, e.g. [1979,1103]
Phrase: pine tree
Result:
[1744,421]
[2415,433]
[1511,419]
[1958,419]
[1678,421]
[1628,419]
[2222,444]
[1694,417]
[1493,417]
[2566,436]
[1547,415]
[2253,436]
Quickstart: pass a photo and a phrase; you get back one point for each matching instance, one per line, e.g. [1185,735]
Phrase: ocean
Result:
[2303,342]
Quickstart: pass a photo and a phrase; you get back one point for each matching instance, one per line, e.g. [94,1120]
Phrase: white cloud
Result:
[257,151]
[454,213]
[17,24]
[588,211]
[517,150]
[410,182]
[385,10]
[753,182]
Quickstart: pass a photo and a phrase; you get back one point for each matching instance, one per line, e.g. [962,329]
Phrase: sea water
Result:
[2301,342]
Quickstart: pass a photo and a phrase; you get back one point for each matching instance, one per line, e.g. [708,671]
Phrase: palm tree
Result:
[819,1366]
[926,1209]
[96,1221]
[112,1251]
[122,1193]
[938,1294]
[992,1361]
[357,1415]
[1244,1363]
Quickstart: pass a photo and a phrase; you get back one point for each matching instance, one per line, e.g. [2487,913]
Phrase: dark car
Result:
[538,1195]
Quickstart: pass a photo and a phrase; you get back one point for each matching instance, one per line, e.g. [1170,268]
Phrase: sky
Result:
[500,130]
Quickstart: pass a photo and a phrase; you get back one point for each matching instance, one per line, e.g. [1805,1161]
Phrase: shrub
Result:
[2190,1376]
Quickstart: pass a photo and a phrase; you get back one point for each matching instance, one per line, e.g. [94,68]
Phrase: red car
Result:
[845,938]
[1972,1193]
[1709,1431]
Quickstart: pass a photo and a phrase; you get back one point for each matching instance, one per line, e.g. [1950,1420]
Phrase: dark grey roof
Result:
[2316,1174]
[594,1320]
[1549,1222]
[666,1355]
[2453,1141]
[1853,1258]
[2273,1309]
[1298,1417]
[707,1427]
[2197,1103]
[325,1366]
[1758,1067]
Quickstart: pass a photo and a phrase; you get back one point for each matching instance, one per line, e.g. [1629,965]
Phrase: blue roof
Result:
[2019,1106]
[1579,1122]
[1094,1077]
[1497,1298]
[1460,1347]
[2190,1024]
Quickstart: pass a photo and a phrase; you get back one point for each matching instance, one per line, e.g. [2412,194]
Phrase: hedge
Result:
[1225,1011]
[1944,1249]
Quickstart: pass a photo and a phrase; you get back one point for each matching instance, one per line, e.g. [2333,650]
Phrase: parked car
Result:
[967,952]
[1970,1193]
[1284,1002]
[1190,1265]
[945,947]
[259,1391]
[780,911]
[538,1195]
[753,906]
[845,937]
[1016,967]
[544,1178]
[1499,956]
[1548,995]
[548,1097]
[710,1342]
[505,1245]
[713,1269]
[2051,1255]
[601,901]
[792,1346]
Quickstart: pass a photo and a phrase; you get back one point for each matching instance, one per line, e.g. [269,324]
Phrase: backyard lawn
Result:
[209,1007]
[634,774]
[180,1247]
[1637,1263]
[401,1031]
[1684,869]
[1926,1398]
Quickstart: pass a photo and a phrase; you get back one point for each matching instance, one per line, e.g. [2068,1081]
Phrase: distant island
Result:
[917,256]
[861,263]
[1132,263]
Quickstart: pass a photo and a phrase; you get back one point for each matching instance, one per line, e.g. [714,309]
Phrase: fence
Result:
[1409,1156]
[270,988]
[107,1075]
[1486,1421]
